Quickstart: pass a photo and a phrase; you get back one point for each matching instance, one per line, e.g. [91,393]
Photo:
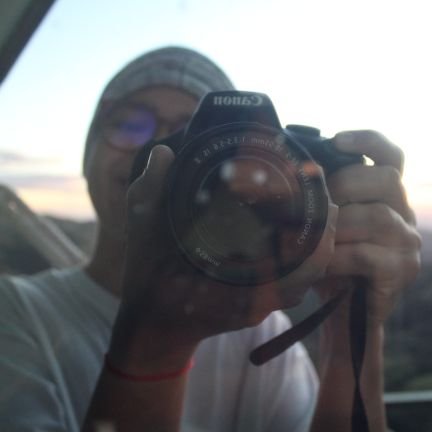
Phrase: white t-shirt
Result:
[55,328]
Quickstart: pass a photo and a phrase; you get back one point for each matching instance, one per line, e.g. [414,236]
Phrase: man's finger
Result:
[375,223]
[371,144]
[388,266]
[365,184]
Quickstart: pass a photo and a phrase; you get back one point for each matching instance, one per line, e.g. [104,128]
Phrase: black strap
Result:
[358,310]
[280,343]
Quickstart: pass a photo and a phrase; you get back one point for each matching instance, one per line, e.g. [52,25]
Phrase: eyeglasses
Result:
[130,126]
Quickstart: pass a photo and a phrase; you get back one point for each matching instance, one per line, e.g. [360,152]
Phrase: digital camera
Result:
[246,200]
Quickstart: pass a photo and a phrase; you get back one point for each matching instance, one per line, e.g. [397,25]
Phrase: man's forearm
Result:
[335,401]
[135,406]
[136,402]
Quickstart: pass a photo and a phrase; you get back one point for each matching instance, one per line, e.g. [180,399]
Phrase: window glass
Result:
[334,65]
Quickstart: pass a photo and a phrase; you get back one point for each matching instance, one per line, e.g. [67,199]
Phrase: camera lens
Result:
[246,205]
[239,205]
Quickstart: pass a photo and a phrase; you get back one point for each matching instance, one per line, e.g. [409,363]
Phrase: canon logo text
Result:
[252,100]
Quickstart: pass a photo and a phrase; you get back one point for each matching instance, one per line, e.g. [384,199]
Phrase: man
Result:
[148,314]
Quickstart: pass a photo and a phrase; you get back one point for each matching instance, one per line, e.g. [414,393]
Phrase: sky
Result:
[335,65]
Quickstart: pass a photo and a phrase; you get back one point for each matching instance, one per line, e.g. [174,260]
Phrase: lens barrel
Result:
[246,203]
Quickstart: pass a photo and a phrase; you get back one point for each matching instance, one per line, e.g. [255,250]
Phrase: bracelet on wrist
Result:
[162,376]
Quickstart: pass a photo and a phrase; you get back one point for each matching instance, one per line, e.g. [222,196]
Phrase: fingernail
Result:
[153,158]
[160,158]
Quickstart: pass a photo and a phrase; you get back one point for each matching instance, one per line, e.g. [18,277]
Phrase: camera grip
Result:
[322,149]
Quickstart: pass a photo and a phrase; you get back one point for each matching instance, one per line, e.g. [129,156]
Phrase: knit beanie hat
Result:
[177,67]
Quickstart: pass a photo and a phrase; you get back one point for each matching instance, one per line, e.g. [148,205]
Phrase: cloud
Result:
[46,182]
[64,196]
[11,158]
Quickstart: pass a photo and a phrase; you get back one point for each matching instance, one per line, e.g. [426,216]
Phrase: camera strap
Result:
[357,324]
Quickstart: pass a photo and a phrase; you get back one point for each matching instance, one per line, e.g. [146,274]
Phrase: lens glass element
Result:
[247,205]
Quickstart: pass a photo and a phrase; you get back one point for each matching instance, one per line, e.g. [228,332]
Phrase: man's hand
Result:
[376,235]
[172,306]
[375,238]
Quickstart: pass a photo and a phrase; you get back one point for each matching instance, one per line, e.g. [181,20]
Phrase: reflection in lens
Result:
[227,171]
[251,201]
[259,176]
[202,197]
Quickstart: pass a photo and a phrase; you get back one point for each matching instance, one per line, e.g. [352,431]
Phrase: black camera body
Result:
[246,201]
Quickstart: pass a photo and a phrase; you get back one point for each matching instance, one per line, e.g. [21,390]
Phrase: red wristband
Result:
[151,377]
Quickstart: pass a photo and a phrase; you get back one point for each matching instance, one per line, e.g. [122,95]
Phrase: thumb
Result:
[147,242]
[146,227]
[146,192]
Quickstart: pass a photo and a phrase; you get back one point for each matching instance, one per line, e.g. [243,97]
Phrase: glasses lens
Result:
[130,127]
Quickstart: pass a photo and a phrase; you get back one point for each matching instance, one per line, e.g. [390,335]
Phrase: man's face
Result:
[154,112]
